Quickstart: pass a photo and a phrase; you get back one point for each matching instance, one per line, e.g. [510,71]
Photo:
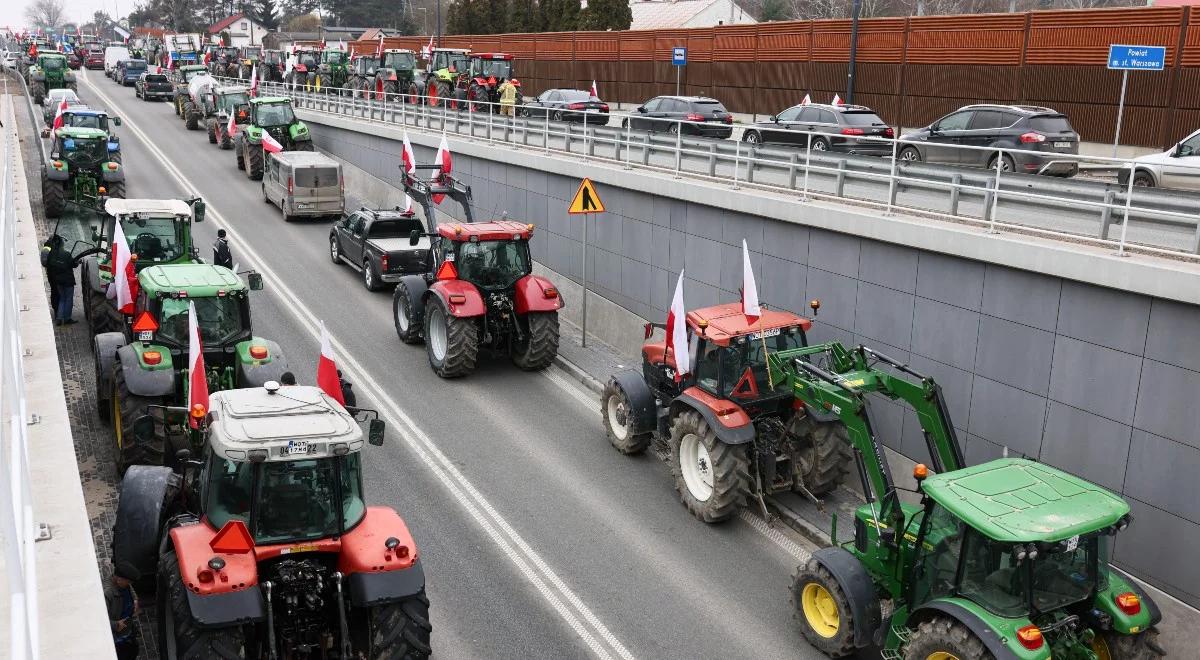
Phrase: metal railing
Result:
[17,528]
[1080,210]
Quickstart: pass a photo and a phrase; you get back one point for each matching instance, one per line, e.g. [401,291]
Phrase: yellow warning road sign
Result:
[586,200]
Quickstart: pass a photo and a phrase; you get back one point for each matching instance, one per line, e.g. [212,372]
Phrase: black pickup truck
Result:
[376,241]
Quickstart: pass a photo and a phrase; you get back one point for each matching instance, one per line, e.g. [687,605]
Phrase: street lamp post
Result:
[439,23]
[855,12]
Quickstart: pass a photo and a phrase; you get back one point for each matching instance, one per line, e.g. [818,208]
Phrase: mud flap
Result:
[106,346]
[641,401]
[145,497]
[368,589]
[856,583]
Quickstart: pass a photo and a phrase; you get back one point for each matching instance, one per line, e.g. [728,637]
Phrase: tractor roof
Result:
[500,230]
[397,50]
[249,419]
[151,208]
[84,110]
[492,56]
[726,321]
[1017,500]
[197,280]
[81,133]
[193,67]
[451,50]
[231,89]
[269,100]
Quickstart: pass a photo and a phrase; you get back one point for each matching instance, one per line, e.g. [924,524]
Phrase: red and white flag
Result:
[806,100]
[254,80]
[750,305]
[58,116]
[341,45]
[837,100]
[677,341]
[379,49]
[124,287]
[197,374]
[595,91]
[231,128]
[445,165]
[327,373]
[428,50]
[408,204]
[410,159]
[169,61]
[270,144]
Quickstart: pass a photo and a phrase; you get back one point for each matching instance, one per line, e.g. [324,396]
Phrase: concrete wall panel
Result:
[1096,379]
[1088,445]
[1007,416]
[950,280]
[1100,316]
[885,315]
[836,253]
[946,331]
[1167,402]
[1015,354]
[1163,473]
[892,266]
[1173,335]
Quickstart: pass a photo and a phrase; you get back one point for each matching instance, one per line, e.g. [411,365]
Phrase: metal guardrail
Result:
[17,528]
[1162,221]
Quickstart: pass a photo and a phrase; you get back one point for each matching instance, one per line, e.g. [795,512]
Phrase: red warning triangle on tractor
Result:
[145,322]
[747,386]
[233,539]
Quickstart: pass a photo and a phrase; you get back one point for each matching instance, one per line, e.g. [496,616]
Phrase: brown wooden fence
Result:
[911,70]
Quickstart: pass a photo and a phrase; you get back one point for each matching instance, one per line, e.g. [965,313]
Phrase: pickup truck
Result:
[154,86]
[376,241]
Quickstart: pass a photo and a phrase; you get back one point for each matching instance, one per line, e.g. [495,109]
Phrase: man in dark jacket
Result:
[221,254]
[122,616]
[60,270]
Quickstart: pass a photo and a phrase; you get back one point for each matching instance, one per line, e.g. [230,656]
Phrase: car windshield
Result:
[862,119]
[493,264]
[220,319]
[274,114]
[305,499]
[399,60]
[495,68]
[316,177]
[398,228]
[85,151]
[740,369]
[1051,124]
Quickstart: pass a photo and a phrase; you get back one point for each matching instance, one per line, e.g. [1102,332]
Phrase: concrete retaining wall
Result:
[1036,359]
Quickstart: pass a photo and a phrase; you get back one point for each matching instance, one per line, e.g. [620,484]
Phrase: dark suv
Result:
[697,115]
[1036,135]
[836,128]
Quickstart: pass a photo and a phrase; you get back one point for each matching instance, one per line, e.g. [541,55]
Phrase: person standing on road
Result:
[221,254]
[60,270]
[47,247]
[123,608]
[508,98]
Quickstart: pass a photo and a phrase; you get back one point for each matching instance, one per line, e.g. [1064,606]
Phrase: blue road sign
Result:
[1137,58]
[679,56]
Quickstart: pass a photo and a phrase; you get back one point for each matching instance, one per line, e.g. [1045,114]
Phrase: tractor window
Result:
[744,367]
[274,114]
[86,121]
[493,264]
[458,62]
[230,101]
[228,488]
[299,500]
[307,59]
[708,367]
[52,64]
[188,75]
[500,69]
[153,240]
[85,152]
[940,546]
[335,57]
[400,61]
[1062,576]
[993,578]
[220,320]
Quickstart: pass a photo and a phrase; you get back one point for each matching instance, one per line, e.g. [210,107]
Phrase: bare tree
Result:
[46,14]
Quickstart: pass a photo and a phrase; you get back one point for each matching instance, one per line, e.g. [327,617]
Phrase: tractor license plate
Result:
[1062,145]
[773,332]
[145,335]
[296,447]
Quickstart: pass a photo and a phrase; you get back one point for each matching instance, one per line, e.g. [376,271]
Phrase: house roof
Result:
[666,14]
[224,23]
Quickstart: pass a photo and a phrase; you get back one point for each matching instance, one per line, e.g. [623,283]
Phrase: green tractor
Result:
[272,114]
[81,171]
[182,77]
[50,71]
[158,231]
[142,370]
[439,83]
[332,71]
[228,98]
[386,79]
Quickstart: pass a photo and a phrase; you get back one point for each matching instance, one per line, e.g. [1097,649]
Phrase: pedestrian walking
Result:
[60,271]
[221,254]
[123,609]
[45,257]
[508,98]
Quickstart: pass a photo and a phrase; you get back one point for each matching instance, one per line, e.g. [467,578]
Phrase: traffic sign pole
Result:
[583,337]
[1126,58]
[586,203]
[1120,111]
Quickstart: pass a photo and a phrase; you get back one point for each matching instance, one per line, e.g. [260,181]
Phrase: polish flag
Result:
[270,144]
[170,61]
[837,100]
[58,116]
[379,49]
[807,100]
[254,80]
[677,332]
[408,204]
[595,91]
[341,45]
[231,128]
[197,374]
[410,160]
[428,50]
[327,376]
[123,289]
[750,305]
[445,165]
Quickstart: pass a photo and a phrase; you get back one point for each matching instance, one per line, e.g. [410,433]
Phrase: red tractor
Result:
[480,293]
[487,72]
[734,433]
[265,546]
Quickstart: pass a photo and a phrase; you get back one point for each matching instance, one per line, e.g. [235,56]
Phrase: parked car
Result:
[1177,167]
[833,127]
[1037,136]
[74,59]
[303,184]
[151,86]
[54,98]
[10,59]
[379,243]
[128,71]
[697,115]
[567,105]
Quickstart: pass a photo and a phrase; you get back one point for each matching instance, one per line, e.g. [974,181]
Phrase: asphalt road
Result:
[538,539]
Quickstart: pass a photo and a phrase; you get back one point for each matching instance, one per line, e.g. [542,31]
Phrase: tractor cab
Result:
[272,57]
[185,74]
[334,58]
[451,60]
[231,97]
[364,65]
[79,149]
[306,60]
[490,255]
[398,60]
[249,55]
[222,306]
[226,54]
[494,68]
[158,231]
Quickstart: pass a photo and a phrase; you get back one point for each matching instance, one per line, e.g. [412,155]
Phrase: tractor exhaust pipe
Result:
[267,586]
[341,604]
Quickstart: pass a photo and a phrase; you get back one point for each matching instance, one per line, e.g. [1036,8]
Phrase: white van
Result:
[112,56]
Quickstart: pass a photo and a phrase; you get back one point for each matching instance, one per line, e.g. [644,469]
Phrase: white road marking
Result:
[591,402]
[513,546]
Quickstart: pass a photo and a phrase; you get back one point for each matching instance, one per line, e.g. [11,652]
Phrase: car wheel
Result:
[335,253]
[910,155]
[1006,163]
[557,116]
[1143,180]
[820,144]
[753,137]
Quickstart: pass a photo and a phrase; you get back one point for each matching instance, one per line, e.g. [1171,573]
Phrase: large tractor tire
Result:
[823,455]
[116,189]
[100,315]
[414,94]
[179,636]
[224,141]
[824,611]
[54,197]
[445,96]
[942,637]
[254,161]
[191,116]
[127,409]
[408,330]
[1114,646]
[451,343]
[713,478]
[38,92]
[212,132]
[239,152]
[477,98]
[540,346]
[400,630]
[618,420]
[391,91]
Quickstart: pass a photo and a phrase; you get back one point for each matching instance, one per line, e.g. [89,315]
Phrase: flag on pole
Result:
[750,306]
[379,49]
[327,373]
[407,204]
[170,61]
[197,374]
[341,45]
[231,128]
[124,287]
[254,80]
[58,116]
[595,91]
[677,332]
[807,100]
[270,144]
[410,160]
[837,100]
[428,50]
[445,164]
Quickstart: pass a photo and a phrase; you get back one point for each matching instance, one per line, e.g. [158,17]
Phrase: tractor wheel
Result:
[126,410]
[239,152]
[319,83]
[191,116]
[823,611]
[942,637]
[176,104]
[212,132]
[822,454]
[371,279]
[54,197]
[225,141]
[414,94]
[38,92]
[104,408]
[116,190]
[617,413]
[445,94]
[179,636]
[400,630]
[391,90]
[451,343]
[254,162]
[476,97]
[1114,646]
[541,342]
[99,314]
[713,478]
[402,315]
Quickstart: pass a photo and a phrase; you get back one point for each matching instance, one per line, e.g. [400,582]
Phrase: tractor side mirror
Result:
[375,432]
[198,208]
[414,237]
[255,281]
[116,121]
[95,233]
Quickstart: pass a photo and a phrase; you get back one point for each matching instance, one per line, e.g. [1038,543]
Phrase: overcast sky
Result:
[12,12]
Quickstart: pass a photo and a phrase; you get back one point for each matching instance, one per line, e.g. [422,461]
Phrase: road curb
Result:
[579,374]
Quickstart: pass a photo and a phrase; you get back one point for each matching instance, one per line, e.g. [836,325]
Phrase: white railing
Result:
[1081,209]
[17,528]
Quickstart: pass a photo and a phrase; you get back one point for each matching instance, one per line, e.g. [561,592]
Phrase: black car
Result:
[153,86]
[1038,138]
[567,105]
[842,128]
[697,115]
